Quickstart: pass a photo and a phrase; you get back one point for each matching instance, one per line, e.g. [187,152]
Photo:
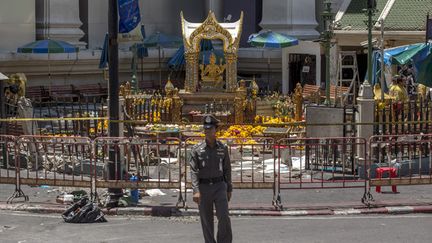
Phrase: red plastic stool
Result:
[379,173]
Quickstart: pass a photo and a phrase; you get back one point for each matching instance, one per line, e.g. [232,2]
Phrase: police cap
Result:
[210,121]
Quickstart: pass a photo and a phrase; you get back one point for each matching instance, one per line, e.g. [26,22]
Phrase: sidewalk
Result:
[410,199]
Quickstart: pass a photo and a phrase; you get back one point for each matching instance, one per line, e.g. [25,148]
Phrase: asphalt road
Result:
[25,227]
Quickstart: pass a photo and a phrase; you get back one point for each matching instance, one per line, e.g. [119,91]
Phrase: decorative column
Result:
[59,20]
[240,104]
[191,80]
[176,107]
[231,72]
[298,102]
[216,6]
[326,36]
[292,17]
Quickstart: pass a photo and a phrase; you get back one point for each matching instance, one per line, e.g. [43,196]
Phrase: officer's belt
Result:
[211,180]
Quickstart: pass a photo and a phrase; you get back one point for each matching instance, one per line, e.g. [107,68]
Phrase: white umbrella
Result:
[3,77]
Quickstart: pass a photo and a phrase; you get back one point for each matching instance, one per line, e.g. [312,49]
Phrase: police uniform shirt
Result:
[207,163]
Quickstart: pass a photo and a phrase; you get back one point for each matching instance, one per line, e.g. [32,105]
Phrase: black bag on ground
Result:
[83,211]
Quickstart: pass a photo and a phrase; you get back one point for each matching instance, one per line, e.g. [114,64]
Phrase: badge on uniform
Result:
[208,119]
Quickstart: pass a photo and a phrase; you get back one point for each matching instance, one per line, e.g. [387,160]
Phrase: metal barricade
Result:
[9,166]
[400,160]
[251,162]
[318,163]
[55,161]
[156,163]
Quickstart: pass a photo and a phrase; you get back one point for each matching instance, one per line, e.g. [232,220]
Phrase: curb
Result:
[161,211]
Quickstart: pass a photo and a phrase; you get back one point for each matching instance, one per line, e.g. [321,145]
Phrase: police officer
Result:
[211,182]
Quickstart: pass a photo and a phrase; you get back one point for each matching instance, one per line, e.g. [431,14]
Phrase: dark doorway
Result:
[252,16]
[84,17]
[362,66]
[302,69]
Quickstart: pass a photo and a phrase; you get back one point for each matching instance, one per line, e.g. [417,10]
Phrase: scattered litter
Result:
[78,194]
[65,199]
[298,163]
[243,168]
[183,188]
[154,192]
[169,160]
[269,165]
[126,201]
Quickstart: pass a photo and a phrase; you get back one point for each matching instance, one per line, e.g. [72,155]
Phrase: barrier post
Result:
[366,104]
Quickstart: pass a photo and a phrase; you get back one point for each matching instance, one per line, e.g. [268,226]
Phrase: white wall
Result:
[304,47]
[292,17]
[161,15]
[17,23]
[164,15]
[97,22]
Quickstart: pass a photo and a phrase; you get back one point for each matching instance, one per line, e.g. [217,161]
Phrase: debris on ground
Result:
[154,192]
[83,211]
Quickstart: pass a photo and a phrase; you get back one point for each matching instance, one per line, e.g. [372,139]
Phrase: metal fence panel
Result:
[251,162]
[8,169]
[408,156]
[155,163]
[55,161]
[318,163]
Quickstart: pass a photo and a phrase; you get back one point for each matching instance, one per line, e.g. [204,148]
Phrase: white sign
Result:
[3,77]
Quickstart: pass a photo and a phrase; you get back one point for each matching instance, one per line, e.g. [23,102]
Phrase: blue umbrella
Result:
[141,48]
[140,51]
[103,61]
[177,61]
[48,46]
[270,39]
[161,40]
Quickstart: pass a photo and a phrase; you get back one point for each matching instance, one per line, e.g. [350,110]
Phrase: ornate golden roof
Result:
[211,29]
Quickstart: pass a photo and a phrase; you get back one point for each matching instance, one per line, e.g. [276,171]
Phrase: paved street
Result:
[259,198]
[24,227]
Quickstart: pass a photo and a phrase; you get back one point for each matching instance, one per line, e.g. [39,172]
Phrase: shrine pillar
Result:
[231,72]
[191,81]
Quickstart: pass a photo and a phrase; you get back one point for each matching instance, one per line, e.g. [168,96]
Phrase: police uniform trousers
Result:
[215,194]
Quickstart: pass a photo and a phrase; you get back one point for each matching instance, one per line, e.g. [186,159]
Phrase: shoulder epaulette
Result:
[200,144]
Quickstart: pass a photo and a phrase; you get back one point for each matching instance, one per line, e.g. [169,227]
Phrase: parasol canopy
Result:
[48,46]
[159,39]
[270,39]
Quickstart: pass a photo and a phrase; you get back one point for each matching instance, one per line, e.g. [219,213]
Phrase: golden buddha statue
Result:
[212,73]
[377,93]
[125,89]
[298,101]
[421,92]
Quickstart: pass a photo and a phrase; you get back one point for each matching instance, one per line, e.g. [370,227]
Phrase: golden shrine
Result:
[211,29]
[212,87]
[218,77]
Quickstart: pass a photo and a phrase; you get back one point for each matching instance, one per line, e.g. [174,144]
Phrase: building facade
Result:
[402,21]
[84,23]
